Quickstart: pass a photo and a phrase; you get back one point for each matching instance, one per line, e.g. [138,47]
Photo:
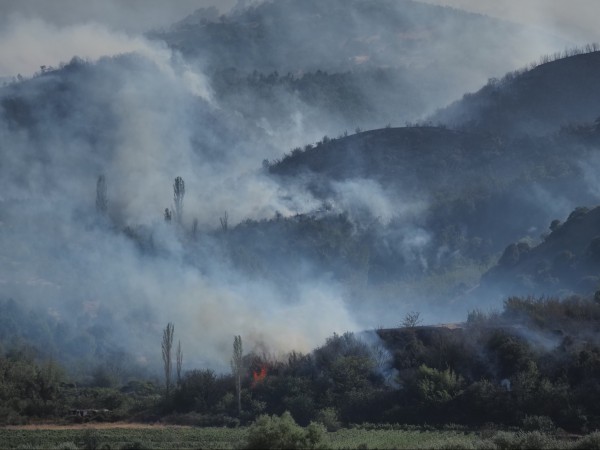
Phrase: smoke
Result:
[28,43]
[366,199]
[384,360]
[141,114]
[131,16]
[140,119]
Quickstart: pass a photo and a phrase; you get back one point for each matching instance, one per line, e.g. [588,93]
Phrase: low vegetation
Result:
[532,366]
[288,435]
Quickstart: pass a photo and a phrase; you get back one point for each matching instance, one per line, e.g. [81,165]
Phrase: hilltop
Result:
[341,64]
[308,35]
[485,184]
[533,102]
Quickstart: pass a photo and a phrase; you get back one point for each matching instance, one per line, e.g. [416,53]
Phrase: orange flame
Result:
[258,377]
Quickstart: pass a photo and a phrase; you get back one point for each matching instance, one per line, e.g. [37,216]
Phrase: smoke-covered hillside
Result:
[350,63]
[455,198]
[139,123]
[152,187]
[466,192]
[292,35]
[566,261]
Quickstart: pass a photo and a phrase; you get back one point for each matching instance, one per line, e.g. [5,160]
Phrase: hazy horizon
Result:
[26,23]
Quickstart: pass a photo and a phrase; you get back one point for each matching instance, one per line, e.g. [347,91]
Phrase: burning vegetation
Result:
[259,376]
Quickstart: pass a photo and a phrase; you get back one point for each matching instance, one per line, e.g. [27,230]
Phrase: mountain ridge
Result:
[534,102]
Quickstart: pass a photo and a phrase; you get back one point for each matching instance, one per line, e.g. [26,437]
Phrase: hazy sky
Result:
[36,32]
[575,19]
[126,15]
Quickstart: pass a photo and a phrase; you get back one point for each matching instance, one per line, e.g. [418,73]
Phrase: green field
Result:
[116,438]
[160,437]
[211,438]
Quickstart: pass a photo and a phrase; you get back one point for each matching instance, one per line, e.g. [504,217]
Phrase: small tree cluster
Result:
[283,432]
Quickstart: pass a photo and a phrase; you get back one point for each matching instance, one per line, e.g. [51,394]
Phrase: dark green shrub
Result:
[329,418]
[516,441]
[591,442]
[435,386]
[199,390]
[536,440]
[538,423]
[273,432]
[505,441]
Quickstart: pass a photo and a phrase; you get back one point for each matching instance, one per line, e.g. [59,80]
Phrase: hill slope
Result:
[536,102]
[475,183]
[429,55]
[568,259]
[291,35]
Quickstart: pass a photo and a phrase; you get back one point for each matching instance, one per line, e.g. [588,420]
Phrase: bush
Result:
[505,441]
[536,439]
[283,432]
[516,441]
[435,386]
[330,419]
[591,442]
[538,423]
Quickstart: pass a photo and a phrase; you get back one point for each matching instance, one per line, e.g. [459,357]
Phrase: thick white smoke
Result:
[141,115]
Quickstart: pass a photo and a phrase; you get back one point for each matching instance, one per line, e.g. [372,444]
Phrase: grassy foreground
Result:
[141,437]
[131,436]
[159,437]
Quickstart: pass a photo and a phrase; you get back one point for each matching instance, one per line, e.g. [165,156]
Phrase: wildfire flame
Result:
[258,377]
